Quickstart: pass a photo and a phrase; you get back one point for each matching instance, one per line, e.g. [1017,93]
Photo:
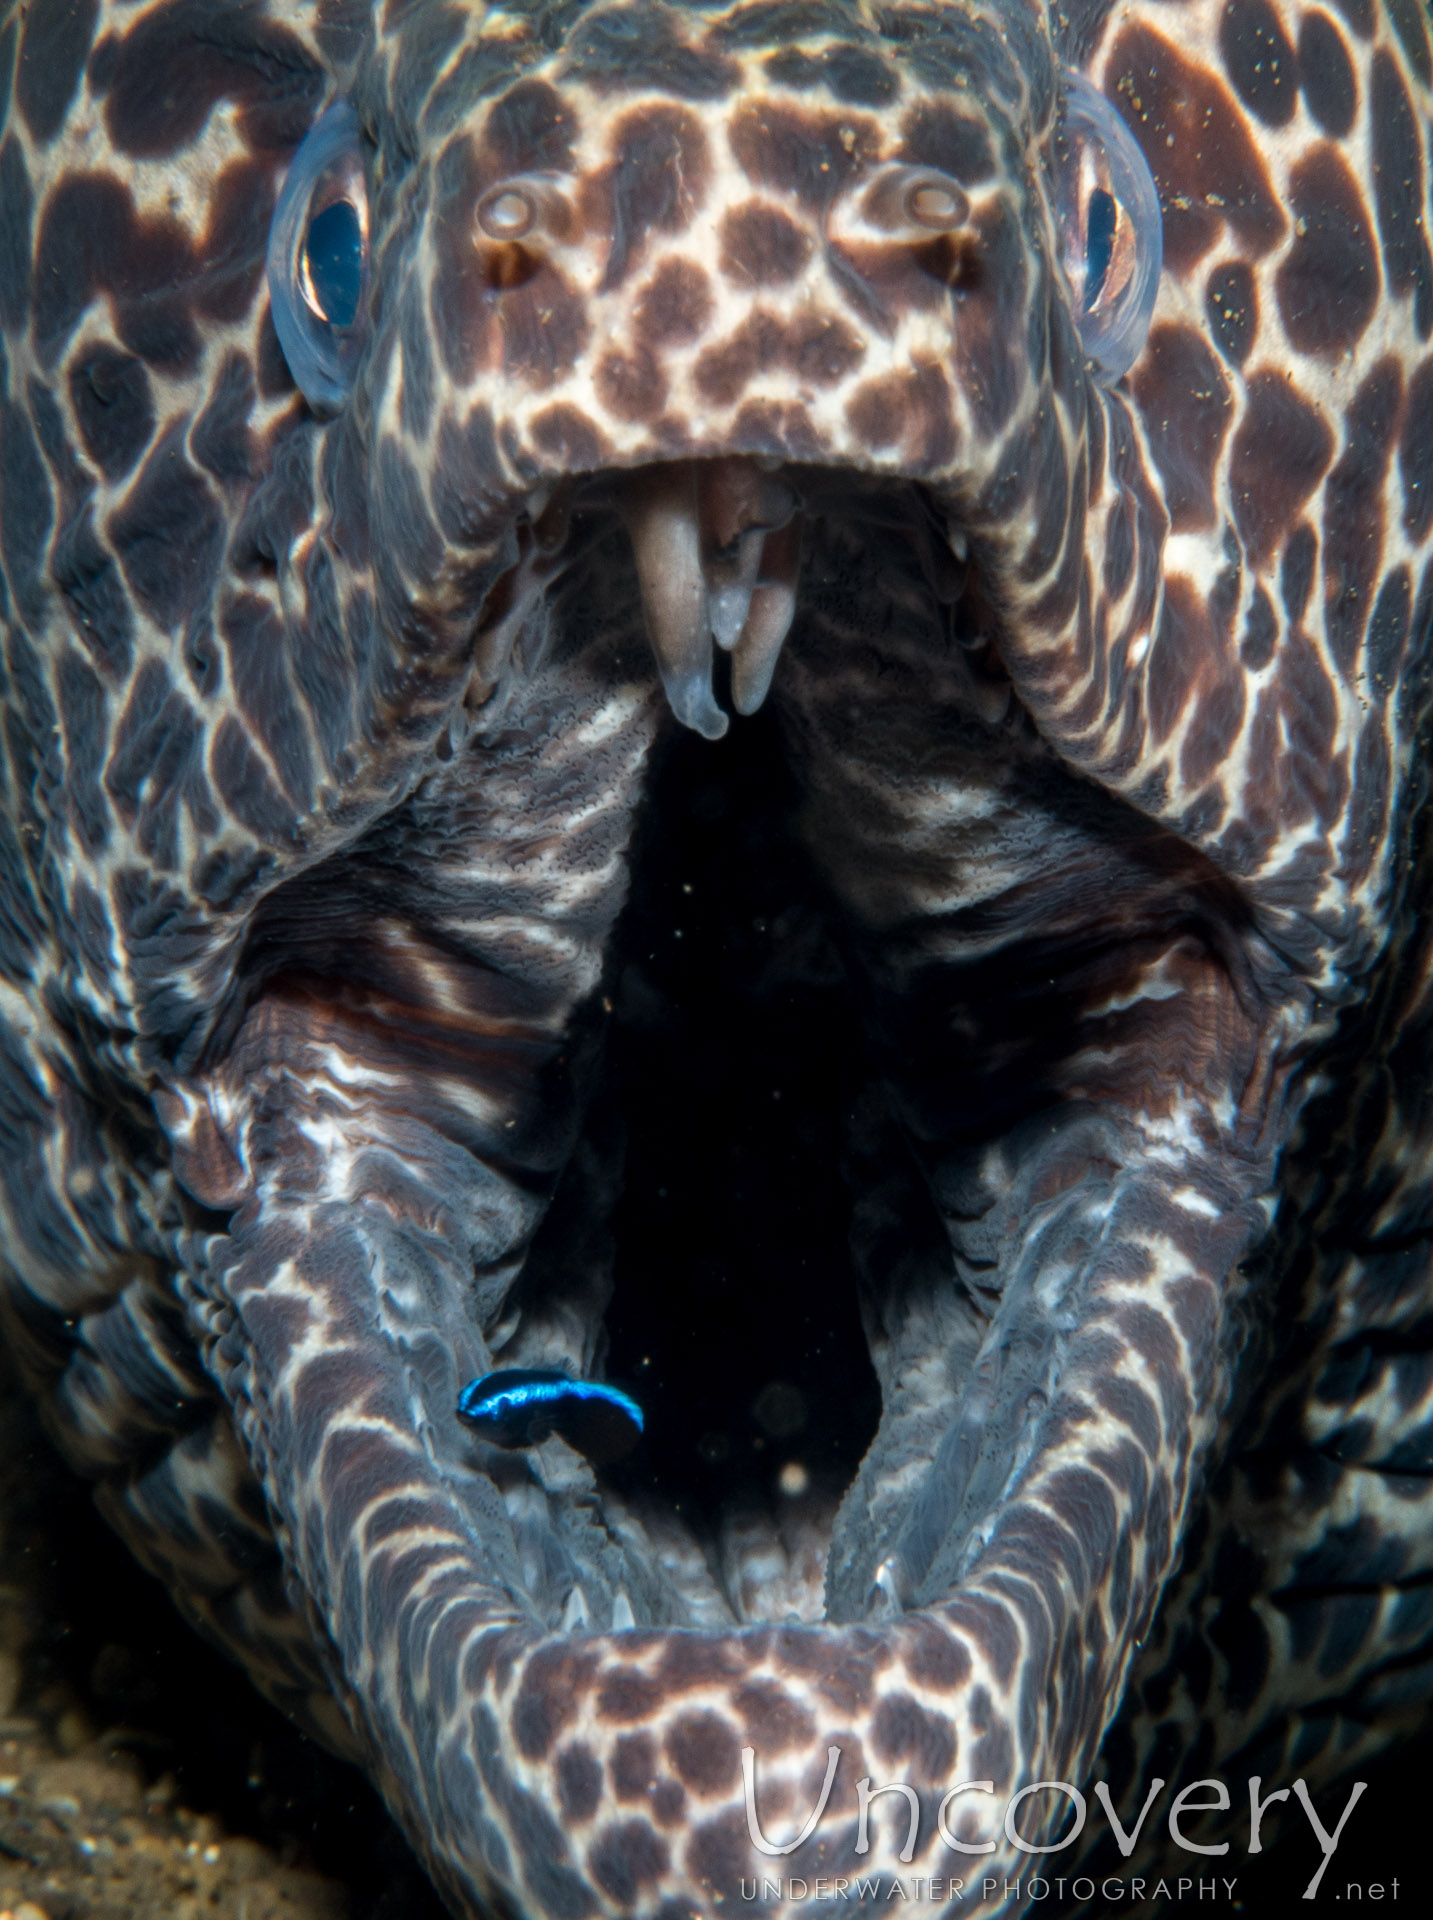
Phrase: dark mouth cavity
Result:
[736,1064]
[736,1112]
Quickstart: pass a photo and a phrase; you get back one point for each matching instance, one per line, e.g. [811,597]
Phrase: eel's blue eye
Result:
[318,260]
[333,264]
[1111,231]
[519,1407]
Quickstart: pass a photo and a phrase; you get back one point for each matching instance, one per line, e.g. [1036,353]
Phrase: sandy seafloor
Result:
[140,1774]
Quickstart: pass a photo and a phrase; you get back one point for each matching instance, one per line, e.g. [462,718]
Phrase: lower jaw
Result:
[554,1680]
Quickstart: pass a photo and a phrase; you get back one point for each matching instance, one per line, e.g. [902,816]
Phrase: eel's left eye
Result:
[1110,229]
[318,260]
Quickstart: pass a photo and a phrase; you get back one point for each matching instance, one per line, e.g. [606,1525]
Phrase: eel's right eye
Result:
[318,261]
[1111,229]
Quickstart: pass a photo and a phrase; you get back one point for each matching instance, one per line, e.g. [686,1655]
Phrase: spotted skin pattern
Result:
[324,743]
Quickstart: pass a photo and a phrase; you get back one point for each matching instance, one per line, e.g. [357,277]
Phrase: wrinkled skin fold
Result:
[328,739]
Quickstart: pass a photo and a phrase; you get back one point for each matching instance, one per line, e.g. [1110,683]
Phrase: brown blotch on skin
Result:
[626,1857]
[626,1695]
[53,46]
[936,135]
[1326,74]
[1353,509]
[230,254]
[633,1765]
[906,1734]
[1328,283]
[92,239]
[723,372]
[1282,449]
[1185,402]
[668,1803]
[912,410]
[632,386]
[1215,726]
[529,130]
[1196,140]
[719,1851]
[508,265]
[1186,655]
[817,347]
[1259,59]
[579,1782]
[163,77]
[1311,780]
[761,246]
[674,306]
[1149,1335]
[655,182]
[1296,571]
[810,154]
[1261,632]
[990,1627]
[1057,606]
[242,782]
[544,328]
[770,427]
[691,1664]
[934,1659]
[702,1748]
[1415,455]
[820,349]
[1231,304]
[567,435]
[772,1720]
[1045,450]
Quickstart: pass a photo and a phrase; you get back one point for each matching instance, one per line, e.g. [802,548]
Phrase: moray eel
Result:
[416,417]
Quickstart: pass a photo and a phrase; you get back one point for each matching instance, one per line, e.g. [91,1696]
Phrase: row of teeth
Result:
[717,547]
[577,1617]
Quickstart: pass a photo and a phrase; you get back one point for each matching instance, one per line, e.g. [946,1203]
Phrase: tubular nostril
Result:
[937,206]
[507,214]
[903,205]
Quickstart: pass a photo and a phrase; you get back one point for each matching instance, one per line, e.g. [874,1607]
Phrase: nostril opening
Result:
[508,214]
[937,206]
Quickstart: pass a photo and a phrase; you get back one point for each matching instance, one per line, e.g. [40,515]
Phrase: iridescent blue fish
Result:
[521,1406]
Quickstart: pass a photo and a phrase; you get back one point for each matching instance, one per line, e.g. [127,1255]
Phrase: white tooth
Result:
[887,1597]
[729,608]
[574,1614]
[730,602]
[773,605]
[660,509]
[622,1614]
[959,544]
[759,647]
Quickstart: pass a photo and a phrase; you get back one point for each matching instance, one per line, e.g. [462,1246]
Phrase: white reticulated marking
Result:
[1153,983]
[344,1070]
[1195,1202]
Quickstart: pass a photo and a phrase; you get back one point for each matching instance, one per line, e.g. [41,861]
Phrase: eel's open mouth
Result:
[973,1064]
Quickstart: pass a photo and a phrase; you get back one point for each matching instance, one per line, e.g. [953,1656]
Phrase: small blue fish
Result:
[520,1406]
